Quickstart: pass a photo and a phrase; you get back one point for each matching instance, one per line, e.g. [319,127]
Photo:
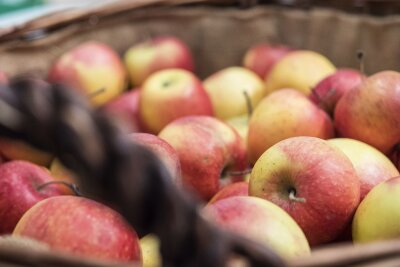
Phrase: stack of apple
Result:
[286,150]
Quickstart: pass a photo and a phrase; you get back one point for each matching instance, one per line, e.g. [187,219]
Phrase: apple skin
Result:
[164,52]
[378,215]
[328,91]
[82,227]
[261,221]
[163,150]
[231,190]
[283,114]
[175,93]
[324,184]
[207,149]
[262,57]
[125,110]
[150,247]
[18,150]
[226,90]
[241,125]
[60,173]
[19,182]
[88,68]
[371,165]
[369,113]
[301,70]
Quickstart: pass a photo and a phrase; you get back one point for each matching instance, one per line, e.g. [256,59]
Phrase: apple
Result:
[227,87]
[163,150]
[260,221]
[301,70]
[209,151]
[378,215]
[150,247]
[371,165]
[82,227]
[231,190]
[328,91]
[370,112]
[283,114]
[93,69]
[164,52]
[125,110]
[20,189]
[170,94]
[260,58]
[18,150]
[313,181]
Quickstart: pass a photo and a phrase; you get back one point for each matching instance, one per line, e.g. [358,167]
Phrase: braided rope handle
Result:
[124,175]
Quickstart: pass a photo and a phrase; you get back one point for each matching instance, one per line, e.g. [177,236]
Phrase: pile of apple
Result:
[286,150]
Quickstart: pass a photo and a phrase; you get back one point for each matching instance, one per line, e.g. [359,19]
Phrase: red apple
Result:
[163,150]
[313,181]
[262,222]
[283,114]
[80,226]
[20,189]
[94,69]
[170,94]
[262,57]
[208,150]
[165,52]
[370,112]
[125,110]
[231,190]
[328,91]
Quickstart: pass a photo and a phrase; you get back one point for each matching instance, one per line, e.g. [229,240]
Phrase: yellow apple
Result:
[378,215]
[227,89]
[241,125]
[150,246]
[301,70]
[371,165]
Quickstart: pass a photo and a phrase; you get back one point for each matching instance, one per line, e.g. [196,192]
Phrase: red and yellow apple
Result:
[227,89]
[262,57]
[209,151]
[370,112]
[20,189]
[262,222]
[82,227]
[170,94]
[165,52]
[301,70]
[283,114]
[163,150]
[93,69]
[371,165]
[313,181]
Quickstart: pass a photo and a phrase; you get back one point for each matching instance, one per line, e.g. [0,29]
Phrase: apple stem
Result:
[97,92]
[292,196]
[73,187]
[248,104]
[360,57]
[238,173]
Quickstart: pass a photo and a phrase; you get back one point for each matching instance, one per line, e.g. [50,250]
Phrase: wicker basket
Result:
[218,37]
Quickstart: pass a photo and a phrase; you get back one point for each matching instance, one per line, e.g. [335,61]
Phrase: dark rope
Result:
[117,172]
